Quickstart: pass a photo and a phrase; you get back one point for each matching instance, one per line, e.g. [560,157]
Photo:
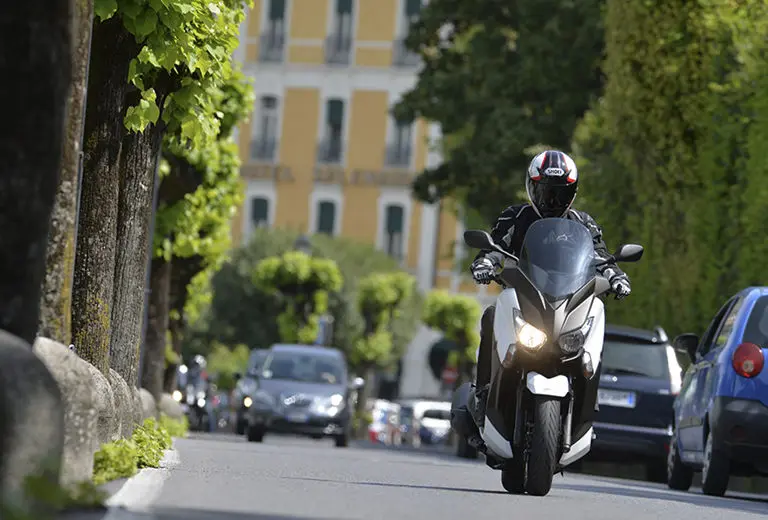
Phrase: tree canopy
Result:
[503,79]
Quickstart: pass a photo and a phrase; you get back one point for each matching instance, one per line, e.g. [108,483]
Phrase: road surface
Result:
[224,477]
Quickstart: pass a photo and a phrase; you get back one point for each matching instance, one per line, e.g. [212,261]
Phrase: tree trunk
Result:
[184,269]
[56,300]
[112,49]
[159,306]
[36,72]
[138,160]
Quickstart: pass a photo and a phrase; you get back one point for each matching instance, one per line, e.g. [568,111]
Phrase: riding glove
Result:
[483,271]
[620,286]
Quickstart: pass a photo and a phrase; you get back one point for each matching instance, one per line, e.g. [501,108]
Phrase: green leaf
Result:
[104,9]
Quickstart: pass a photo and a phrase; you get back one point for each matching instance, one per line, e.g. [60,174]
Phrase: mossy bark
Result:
[112,49]
[137,180]
[159,307]
[56,300]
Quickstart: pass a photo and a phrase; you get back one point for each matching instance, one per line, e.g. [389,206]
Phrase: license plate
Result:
[297,417]
[616,398]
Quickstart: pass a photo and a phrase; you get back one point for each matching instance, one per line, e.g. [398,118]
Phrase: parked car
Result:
[385,426]
[303,390]
[640,375]
[246,385]
[435,424]
[721,414]
[409,426]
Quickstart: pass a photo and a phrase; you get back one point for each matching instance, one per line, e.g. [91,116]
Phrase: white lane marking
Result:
[141,490]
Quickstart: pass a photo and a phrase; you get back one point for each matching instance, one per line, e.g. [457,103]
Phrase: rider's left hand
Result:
[620,286]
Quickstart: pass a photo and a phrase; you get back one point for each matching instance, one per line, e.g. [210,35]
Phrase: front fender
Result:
[538,384]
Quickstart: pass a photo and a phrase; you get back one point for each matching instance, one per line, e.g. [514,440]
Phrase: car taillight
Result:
[748,360]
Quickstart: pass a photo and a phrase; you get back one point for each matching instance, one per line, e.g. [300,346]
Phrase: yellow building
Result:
[321,153]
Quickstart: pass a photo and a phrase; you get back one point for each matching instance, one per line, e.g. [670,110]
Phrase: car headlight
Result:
[177,396]
[248,386]
[330,405]
[528,336]
[201,402]
[247,402]
[572,341]
[336,399]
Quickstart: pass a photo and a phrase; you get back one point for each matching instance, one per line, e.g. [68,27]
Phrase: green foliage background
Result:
[242,313]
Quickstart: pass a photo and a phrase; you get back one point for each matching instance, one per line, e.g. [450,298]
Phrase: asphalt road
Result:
[224,477]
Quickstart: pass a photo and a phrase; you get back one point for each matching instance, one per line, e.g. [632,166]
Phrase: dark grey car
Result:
[302,390]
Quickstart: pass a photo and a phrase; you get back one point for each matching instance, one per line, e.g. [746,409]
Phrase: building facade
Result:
[322,153]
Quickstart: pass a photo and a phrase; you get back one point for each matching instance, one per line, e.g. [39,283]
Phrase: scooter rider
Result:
[551,183]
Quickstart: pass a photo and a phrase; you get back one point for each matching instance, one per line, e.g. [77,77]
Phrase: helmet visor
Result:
[552,199]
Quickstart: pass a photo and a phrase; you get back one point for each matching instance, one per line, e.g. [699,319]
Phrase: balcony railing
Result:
[330,151]
[271,45]
[263,149]
[338,49]
[398,156]
[402,57]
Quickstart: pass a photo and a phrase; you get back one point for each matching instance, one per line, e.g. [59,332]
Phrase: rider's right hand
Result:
[483,271]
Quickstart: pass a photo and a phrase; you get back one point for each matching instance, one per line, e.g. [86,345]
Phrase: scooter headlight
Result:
[572,341]
[529,336]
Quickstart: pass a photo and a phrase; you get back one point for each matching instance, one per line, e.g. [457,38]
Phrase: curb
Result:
[140,491]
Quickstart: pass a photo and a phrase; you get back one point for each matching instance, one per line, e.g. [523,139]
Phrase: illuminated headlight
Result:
[571,342]
[528,336]
[201,402]
[247,402]
[177,396]
[331,405]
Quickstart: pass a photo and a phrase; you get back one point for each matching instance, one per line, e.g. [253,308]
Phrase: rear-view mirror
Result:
[357,383]
[629,253]
[687,343]
[478,239]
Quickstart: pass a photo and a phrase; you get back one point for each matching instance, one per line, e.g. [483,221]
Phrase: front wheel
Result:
[542,459]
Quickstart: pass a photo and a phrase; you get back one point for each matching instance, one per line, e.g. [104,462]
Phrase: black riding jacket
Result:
[513,223]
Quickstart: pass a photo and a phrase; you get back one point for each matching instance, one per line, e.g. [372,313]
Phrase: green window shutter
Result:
[326,217]
[259,211]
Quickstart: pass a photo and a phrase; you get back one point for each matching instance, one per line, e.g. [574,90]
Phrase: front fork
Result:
[520,420]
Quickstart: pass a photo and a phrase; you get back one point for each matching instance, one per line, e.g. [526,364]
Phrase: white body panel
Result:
[578,449]
[594,342]
[495,441]
[540,385]
[504,321]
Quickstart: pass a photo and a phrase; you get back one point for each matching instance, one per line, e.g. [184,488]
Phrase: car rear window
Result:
[621,357]
[437,414]
[756,330]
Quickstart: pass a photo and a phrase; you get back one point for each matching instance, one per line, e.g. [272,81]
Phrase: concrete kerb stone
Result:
[75,379]
[31,422]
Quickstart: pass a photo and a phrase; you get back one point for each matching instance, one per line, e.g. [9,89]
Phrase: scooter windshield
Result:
[558,257]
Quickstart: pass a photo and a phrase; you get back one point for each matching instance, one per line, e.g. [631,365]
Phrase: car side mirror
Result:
[687,343]
[628,253]
[357,383]
[478,239]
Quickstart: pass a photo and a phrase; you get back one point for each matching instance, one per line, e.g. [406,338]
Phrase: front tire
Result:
[716,470]
[545,441]
[679,476]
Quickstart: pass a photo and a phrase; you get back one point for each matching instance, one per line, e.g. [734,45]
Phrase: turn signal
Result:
[748,360]
[586,365]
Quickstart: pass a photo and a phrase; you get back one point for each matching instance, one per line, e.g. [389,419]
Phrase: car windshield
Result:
[256,359]
[557,256]
[308,368]
[639,359]
[756,330]
[443,415]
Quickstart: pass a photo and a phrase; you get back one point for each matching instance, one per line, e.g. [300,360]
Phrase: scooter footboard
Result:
[538,384]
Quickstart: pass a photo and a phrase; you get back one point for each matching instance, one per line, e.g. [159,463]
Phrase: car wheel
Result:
[464,450]
[254,434]
[342,441]
[679,476]
[715,472]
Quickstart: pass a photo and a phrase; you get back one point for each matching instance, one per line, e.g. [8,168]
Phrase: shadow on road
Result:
[749,504]
[408,486]
[181,514]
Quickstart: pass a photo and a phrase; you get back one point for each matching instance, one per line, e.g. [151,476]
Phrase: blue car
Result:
[721,414]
